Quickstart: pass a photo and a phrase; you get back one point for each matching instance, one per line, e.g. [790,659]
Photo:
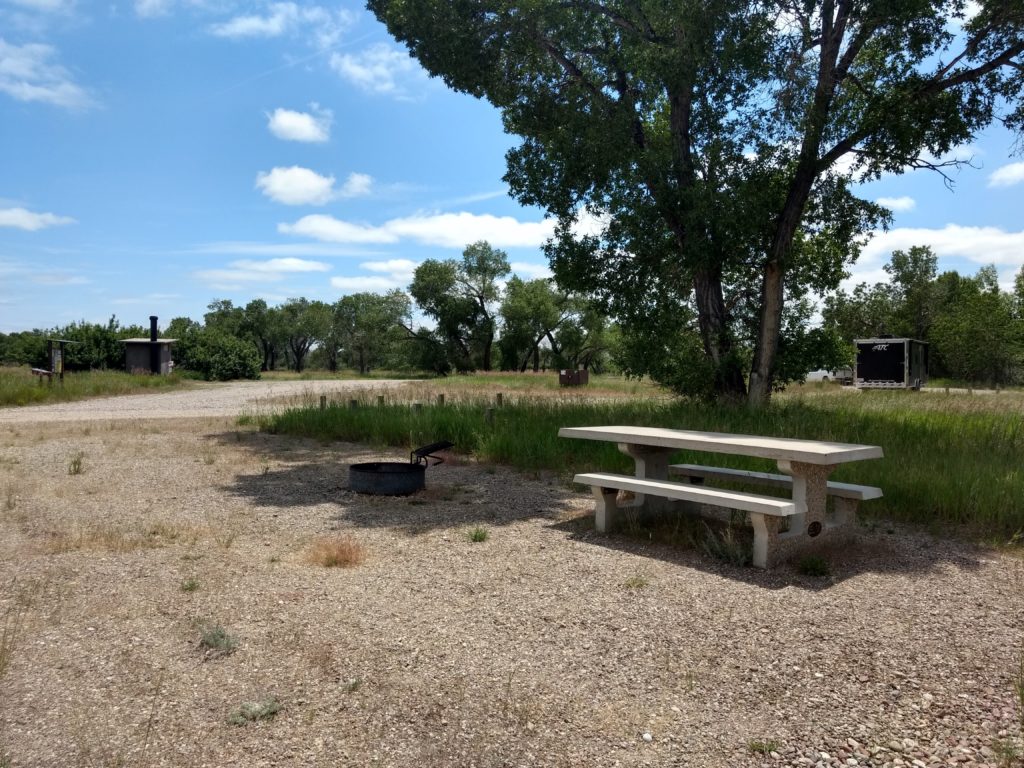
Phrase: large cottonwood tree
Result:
[715,140]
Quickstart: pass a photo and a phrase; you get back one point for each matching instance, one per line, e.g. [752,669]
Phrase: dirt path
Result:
[202,400]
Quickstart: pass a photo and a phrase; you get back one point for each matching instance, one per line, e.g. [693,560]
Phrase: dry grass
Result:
[110,537]
[336,552]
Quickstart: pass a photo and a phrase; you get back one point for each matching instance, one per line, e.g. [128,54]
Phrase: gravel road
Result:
[198,401]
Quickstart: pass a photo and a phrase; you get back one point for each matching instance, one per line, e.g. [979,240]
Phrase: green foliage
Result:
[252,711]
[213,637]
[478,534]
[763,746]
[460,296]
[216,356]
[189,585]
[704,166]
[947,461]
[19,387]
[75,465]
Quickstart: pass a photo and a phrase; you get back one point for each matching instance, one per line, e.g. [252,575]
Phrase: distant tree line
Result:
[975,330]
[478,316]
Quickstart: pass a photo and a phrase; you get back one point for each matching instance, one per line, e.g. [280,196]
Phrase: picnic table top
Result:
[785,448]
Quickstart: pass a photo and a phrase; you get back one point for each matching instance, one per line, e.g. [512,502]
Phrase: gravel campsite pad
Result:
[155,579]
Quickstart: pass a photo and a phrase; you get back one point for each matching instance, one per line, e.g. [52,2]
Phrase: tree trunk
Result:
[713,321]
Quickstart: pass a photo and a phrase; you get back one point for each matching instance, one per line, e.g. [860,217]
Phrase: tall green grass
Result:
[949,459]
[18,386]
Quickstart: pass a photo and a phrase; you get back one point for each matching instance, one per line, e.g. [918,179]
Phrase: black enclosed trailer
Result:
[891,364]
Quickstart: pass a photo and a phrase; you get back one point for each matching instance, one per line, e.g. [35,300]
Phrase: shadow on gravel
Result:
[897,551]
[299,473]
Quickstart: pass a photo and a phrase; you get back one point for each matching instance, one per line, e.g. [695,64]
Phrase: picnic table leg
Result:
[651,463]
[605,509]
[810,492]
[766,535]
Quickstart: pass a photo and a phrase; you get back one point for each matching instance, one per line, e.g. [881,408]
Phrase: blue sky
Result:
[158,154]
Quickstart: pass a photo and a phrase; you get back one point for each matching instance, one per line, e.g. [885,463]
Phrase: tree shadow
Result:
[306,473]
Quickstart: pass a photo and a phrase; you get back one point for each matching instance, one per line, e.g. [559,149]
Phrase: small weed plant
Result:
[479,534]
[637,581]
[215,639]
[251,711]
[725,546]
[189,585]
[75,466]
[336,552]
[813,565]
[763,746]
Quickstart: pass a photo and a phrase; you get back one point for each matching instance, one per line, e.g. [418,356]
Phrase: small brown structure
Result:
[578,378]
[152,354]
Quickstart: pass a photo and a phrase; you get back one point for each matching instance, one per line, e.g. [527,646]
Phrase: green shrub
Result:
[217,356]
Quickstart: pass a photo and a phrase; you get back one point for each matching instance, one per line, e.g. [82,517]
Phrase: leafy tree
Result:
[216,355]
[460,297]
[530,311]
[705,139]
[913,274]
[264,327]
[868,312]
[368,326]
[305,323]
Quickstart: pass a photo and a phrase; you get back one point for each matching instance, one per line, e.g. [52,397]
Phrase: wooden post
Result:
[440,399]
[380,400]
[353,404]
[489,416]
[323,402]
[417,407]
[499,399]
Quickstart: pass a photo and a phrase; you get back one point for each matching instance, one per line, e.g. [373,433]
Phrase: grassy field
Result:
[18,386]
[950,460]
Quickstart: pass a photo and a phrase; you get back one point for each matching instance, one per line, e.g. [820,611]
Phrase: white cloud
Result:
[249,271]
[250,248]
[447,230]
[59,278]
[281,265]
[903,203]
[456,230]
[527,271]
[326,26]
[27,73]
[301,126]
[356,185]
[981,245]
[150,8]
[365,284]
[391,273]
[381,69]
[1007,176]
[296,186]
[331,230]
[20,218]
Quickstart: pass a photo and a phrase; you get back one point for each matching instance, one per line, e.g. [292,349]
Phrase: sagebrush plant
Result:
[189,585]
[213,637]
[336,552]
[252,711]
[478,534]
[75,466]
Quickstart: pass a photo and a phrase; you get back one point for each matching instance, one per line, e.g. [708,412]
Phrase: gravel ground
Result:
[198,400]
[545,645]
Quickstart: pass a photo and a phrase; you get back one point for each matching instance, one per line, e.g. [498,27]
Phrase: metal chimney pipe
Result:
[154,348]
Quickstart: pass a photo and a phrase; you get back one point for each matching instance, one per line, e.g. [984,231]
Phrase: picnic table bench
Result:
[782,526]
